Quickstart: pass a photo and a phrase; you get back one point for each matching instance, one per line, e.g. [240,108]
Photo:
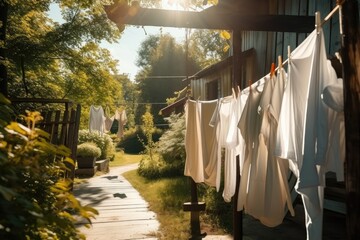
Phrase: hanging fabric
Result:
[108,120]
[201,143]
[303,131]
[121,117]
[224,119]
[97,118]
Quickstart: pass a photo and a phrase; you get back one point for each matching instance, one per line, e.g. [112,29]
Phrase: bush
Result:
[88,149]
[104,142]
[35,198]
[134,140]
[172,143]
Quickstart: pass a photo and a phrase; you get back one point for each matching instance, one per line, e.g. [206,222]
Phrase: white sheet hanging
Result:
[201,143]
[303,131]
[97,118]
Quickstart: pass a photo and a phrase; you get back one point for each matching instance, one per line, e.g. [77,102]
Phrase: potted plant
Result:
[86,154]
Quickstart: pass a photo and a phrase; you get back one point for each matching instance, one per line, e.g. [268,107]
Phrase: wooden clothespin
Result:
[280,63]
[272,70]
[233,92]
[318,21]
[250,83]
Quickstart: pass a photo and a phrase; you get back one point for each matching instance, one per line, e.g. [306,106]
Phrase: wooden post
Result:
[194,207]
[351,77]
[237,215]
[3,71]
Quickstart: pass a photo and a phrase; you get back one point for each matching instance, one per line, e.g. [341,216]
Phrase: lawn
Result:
[122,159]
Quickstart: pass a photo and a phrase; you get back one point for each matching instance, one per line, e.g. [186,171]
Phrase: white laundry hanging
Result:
[200,143]
[303,131]
[97,118]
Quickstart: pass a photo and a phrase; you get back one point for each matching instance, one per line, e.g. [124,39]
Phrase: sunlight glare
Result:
[173,4]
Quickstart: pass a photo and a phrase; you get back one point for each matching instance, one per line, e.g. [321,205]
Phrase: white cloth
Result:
[303,131]
[269,173]
[225,120]
[249,126]
[97,118]
[201,143]
[335,156]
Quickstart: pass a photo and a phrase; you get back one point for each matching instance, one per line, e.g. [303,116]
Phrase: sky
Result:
[126,49]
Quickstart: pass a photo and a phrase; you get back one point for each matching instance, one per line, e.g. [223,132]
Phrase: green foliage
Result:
[35,198]
[166,158]
[65,58]
[134,140]
[88,149]
[104,142]
[172,143]
[162,56]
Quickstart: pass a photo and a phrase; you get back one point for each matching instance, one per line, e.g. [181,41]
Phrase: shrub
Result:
[88,149]
[35,198]
[134,140]
[172,142]
[104,142]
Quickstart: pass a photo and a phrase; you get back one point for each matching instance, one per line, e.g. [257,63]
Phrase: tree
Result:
[208,46]
[65,59]
[164,57]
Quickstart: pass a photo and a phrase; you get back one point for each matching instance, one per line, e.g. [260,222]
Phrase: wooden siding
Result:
[224,78]
[269,45]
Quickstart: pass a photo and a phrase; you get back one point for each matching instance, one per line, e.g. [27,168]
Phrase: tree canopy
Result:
[48,59]
[164,64]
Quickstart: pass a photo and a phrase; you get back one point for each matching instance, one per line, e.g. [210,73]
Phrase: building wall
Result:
[269,45]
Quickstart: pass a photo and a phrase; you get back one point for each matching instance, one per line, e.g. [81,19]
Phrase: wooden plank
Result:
[215,20]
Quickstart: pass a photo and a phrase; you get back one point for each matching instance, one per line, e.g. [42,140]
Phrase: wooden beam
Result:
[351,76]
[210,20]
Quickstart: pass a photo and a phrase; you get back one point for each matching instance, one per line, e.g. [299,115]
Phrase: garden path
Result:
[123,213]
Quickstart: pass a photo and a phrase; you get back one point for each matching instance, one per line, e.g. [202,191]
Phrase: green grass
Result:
[122,159]
[166,197]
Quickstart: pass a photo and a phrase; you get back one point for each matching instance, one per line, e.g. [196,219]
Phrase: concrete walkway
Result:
[123,213]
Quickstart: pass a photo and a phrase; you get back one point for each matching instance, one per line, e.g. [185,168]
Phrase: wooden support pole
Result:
[194,207]
[351,76]
[237,215]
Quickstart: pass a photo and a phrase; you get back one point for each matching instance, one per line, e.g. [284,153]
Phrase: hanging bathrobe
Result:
[303,131]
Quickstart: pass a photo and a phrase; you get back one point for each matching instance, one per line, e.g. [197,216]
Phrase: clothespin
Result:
[233,92]
[250,83]
[239,90]
[272,70]
[280,64]
[317,21]
[340,3]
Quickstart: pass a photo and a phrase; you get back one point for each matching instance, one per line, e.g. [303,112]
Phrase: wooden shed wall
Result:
[224,78]
[269,45]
